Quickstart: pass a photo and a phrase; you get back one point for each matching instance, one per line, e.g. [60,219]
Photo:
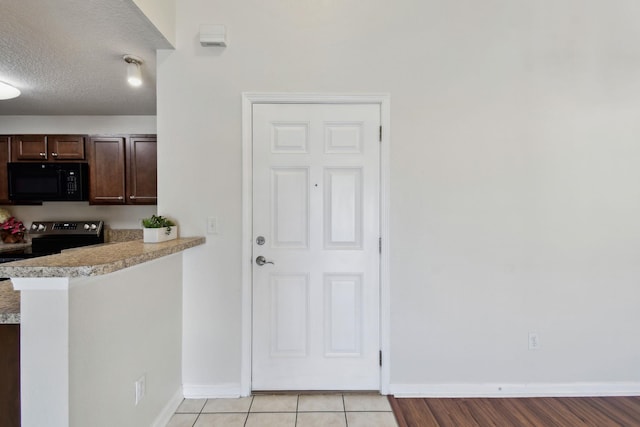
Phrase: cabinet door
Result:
[142,170]
[4,158]
[66,147]
[106,170]
[29,147]
[10,375]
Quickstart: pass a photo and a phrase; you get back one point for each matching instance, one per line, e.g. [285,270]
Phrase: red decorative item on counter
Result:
[12,231]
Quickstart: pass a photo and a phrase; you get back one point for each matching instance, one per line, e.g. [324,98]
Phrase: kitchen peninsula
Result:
[101,332]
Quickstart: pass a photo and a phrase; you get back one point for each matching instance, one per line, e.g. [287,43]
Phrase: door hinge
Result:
[379,244]
[380,135]
[380,357]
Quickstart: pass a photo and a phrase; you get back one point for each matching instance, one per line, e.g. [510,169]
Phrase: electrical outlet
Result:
[212,225]
[141,387]
[534,341]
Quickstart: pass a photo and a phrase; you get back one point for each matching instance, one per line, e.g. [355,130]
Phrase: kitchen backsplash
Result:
[122,235]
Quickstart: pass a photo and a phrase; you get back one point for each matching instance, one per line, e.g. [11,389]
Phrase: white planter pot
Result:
[156,235]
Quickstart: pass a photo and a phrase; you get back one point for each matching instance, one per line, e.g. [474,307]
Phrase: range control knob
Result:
[87,226]
[94,226]
[40,227]
[34,226]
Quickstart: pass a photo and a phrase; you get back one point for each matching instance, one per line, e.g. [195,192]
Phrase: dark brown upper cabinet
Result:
[142,170]
[45,148]
[5,147]
[122,170]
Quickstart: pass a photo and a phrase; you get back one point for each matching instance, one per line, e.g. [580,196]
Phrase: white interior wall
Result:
[514,196]
[116,340]
[85,341]
[114,216]
[162,14]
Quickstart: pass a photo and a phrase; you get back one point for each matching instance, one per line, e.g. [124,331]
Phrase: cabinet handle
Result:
[142,197]
[43,154]
[54,154]
[109,198]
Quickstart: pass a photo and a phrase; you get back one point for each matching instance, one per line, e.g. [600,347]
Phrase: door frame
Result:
[248,100]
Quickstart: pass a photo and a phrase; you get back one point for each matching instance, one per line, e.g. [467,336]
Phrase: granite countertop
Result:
[10,298]
[9,303]
[96,260]
[84,261]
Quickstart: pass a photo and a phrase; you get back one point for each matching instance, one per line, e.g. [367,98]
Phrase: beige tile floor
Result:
[287,410]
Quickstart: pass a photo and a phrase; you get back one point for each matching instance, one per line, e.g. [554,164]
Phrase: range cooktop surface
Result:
[52,237]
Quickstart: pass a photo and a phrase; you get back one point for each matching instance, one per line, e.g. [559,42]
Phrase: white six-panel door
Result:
[316,190]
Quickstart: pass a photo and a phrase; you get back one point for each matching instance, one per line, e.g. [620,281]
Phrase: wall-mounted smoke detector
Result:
[213,35]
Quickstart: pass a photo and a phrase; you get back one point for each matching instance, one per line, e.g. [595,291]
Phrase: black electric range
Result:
[52,237]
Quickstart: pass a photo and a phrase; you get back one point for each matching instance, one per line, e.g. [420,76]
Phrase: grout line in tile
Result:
[196,420]
[246,417]
[251,404]
[344,407]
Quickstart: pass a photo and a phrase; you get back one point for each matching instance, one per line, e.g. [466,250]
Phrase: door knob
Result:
[262,261]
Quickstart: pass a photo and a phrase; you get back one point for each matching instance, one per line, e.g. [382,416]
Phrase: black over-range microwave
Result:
[48,181]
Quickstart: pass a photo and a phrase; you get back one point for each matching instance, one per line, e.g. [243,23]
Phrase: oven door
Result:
[47,245]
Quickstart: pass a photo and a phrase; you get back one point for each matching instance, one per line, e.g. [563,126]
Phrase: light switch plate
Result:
[212,225]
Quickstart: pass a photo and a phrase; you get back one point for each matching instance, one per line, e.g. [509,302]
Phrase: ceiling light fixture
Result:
[134,76]
[8,92]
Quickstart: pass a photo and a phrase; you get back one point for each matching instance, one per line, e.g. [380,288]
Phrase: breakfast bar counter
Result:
[9,303]
[96,260]
[86,261]
[99,323]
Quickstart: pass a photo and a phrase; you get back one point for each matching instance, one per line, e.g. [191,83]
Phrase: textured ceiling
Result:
[66,57]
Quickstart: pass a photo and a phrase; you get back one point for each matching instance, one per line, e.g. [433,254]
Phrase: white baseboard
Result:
[199,391]
[516,390]
[170,408]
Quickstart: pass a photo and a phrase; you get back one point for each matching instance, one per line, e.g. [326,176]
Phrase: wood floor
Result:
[516,412]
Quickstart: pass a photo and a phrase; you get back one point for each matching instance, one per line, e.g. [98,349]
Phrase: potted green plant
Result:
[158,229]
